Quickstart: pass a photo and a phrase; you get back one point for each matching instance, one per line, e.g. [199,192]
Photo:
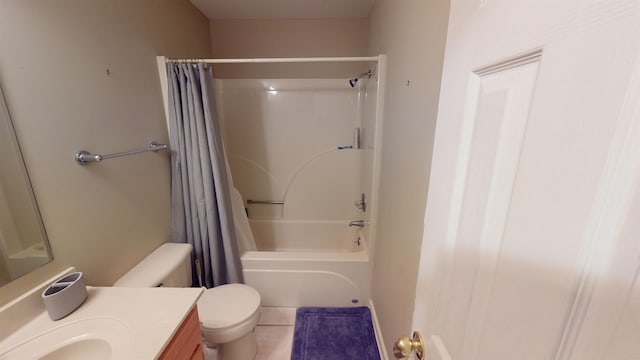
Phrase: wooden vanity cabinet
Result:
[187,342]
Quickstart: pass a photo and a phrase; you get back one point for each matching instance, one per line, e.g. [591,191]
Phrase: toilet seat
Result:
[228,311]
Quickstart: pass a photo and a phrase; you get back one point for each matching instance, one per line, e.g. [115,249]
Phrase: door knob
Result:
[404,346]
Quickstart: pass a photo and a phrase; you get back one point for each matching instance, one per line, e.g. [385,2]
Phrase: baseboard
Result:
[378,331]
[438,351]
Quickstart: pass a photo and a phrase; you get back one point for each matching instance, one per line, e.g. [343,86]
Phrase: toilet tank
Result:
[169,265]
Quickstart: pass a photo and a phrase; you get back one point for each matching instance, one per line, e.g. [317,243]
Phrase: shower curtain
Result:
[201,212]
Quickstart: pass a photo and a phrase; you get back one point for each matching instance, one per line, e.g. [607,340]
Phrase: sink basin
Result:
[98,338]
[98,349]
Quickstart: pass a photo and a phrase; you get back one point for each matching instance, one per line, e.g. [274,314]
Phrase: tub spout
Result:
[358,223]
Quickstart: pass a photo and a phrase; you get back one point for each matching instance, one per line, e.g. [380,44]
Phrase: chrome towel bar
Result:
[268,202]
[84,157]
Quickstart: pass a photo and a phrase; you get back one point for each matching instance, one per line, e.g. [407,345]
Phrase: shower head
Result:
[354,81]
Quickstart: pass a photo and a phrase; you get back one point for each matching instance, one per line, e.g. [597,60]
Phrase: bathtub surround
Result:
[200,189]
[334,333]
[282,138]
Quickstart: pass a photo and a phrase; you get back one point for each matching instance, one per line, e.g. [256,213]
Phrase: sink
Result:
[96,338]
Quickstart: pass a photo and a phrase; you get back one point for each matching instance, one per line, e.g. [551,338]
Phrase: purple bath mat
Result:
[334,334]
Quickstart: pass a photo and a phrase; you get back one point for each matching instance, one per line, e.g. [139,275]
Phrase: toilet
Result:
[228,313]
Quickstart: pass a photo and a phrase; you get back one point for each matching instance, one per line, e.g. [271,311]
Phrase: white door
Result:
[532,230]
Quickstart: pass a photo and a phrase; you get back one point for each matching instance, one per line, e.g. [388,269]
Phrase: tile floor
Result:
[274,334]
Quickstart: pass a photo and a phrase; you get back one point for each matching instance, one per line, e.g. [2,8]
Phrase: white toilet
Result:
[228,313]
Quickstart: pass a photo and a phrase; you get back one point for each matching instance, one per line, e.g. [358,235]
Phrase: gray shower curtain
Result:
[201,213]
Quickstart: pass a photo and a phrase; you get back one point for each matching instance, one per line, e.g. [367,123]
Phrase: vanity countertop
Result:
[148,317]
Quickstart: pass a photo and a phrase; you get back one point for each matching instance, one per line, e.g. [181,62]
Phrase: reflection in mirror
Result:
[23,242]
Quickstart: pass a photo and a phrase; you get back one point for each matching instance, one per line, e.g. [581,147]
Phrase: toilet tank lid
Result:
[157,266]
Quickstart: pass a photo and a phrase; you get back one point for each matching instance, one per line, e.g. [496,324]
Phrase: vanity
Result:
[112,323]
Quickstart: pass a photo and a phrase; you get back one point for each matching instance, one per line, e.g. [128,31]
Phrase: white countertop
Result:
[150,317]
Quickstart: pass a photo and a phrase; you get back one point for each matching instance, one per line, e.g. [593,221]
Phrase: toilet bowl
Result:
[230,330]
[228,313]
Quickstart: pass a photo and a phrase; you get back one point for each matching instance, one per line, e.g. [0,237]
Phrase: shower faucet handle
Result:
[358,223]
[362,203]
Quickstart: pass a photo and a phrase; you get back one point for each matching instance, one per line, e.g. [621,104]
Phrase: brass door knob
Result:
[404,346]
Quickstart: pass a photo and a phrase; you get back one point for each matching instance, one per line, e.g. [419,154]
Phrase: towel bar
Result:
[267,202]
[84,157]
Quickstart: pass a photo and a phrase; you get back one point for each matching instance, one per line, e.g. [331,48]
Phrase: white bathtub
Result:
[308,263]
[302,235]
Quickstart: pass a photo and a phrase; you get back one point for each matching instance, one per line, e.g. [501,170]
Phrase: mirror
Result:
[23,241]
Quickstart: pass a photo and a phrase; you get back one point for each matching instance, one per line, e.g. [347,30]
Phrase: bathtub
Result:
[305,235]
[308,263]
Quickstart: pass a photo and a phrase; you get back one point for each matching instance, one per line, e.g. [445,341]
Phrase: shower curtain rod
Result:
[275,60]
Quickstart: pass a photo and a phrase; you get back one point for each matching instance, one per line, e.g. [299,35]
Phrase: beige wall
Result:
[288,38]
[105,217]
[412,33]
[4,274]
